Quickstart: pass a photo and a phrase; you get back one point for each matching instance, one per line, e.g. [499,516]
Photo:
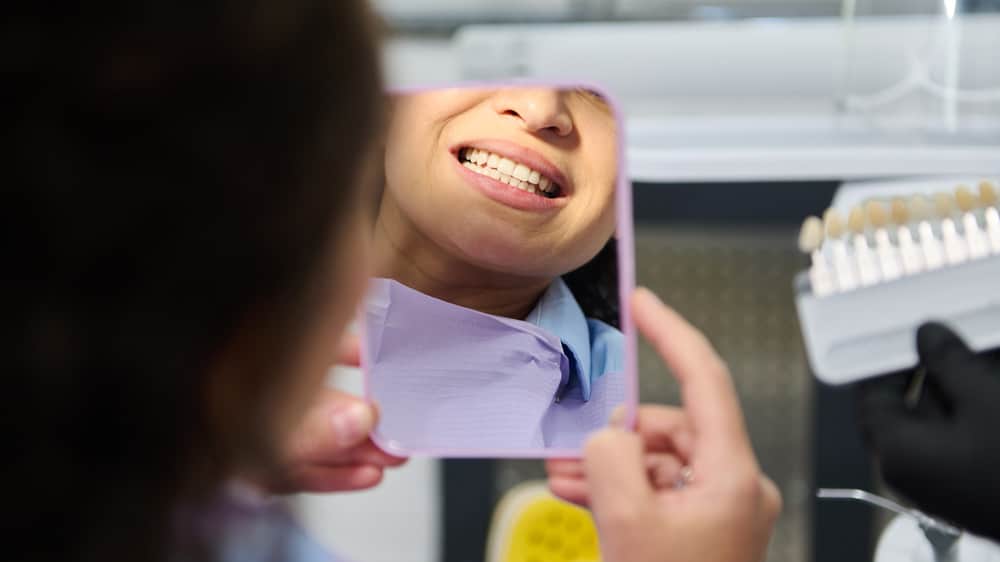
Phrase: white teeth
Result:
[505,166]
[507,171]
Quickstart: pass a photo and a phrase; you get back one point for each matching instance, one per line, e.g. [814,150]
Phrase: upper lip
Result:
[522,155]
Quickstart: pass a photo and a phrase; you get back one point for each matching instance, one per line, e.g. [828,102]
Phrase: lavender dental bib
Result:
[448,377]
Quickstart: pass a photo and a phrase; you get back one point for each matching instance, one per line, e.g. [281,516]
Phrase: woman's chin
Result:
[508,258]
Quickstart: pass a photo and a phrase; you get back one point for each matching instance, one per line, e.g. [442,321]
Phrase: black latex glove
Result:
[943,453]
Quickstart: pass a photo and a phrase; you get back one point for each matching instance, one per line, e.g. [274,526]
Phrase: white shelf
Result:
[664,149]
[753,100]
[795,164]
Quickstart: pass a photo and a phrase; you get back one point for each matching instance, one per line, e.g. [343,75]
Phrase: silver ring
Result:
[684,478]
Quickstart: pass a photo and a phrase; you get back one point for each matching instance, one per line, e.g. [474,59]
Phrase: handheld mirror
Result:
[496,324]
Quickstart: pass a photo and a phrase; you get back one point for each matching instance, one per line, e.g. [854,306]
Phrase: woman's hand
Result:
[331,450]
[686,485]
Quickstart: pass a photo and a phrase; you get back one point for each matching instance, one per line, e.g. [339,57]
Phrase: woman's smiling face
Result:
[518,180]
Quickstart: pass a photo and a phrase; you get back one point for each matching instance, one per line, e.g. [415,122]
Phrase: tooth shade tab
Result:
[899,211]
[965,199]
[856,220]
[919,208]
[987,194]
[944,204]
[834,223]
[507,167]
[811,235]
[877,214]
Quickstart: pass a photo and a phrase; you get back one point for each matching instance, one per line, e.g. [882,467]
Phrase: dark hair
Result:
[595,285]
[174,175]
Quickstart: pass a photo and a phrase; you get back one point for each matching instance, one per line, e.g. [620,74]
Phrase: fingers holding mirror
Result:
[667,440]
[492,327]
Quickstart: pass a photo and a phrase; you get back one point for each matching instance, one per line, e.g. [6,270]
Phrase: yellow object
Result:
[531,525]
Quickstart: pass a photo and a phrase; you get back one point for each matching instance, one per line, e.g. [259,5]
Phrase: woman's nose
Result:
[537,109]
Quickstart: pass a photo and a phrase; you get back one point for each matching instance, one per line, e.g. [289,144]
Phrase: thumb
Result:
[881,405]
[945,357]
[352,421]
[349,353]
[337,421]
[616,475]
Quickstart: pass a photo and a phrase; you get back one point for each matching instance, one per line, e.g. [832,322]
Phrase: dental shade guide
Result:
[860,303]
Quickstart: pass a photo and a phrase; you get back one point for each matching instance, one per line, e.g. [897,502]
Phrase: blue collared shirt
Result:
[593,347]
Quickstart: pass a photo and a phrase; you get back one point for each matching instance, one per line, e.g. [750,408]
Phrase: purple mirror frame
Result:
[625,249]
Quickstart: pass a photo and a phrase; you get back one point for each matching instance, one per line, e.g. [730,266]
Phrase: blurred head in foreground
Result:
[184,241]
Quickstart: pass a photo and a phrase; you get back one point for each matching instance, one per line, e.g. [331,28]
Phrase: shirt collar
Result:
[558,312]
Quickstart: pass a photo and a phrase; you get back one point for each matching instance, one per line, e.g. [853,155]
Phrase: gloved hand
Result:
[943,453]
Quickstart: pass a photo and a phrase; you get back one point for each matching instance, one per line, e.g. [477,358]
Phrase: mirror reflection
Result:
[493,320]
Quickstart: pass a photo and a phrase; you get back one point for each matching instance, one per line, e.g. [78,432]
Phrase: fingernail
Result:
[617,418]
[647,294]
[352,423]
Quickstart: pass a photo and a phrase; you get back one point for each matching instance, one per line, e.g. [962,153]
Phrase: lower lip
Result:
[508,195]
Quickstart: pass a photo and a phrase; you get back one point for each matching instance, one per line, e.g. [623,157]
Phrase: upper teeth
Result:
[507,171]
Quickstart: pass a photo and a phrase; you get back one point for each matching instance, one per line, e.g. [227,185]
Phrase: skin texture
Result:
[438,234]
[726,512]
